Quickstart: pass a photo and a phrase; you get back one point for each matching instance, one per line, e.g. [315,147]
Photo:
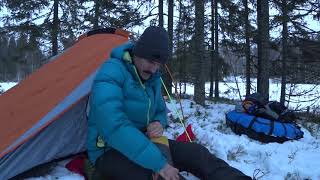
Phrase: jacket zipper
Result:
[145,91]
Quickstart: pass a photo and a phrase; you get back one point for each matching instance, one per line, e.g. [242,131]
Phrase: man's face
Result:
[145,67]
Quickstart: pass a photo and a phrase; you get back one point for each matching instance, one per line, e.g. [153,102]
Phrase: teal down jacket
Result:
[121,107]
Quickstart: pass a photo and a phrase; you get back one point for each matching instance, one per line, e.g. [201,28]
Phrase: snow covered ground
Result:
[293,160]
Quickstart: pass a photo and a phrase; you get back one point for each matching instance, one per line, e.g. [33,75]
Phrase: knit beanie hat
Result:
[153,45]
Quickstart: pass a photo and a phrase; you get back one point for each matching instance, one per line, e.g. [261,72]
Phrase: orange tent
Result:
[44,116]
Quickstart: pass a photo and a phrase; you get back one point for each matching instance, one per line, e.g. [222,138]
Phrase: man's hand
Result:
[154,129]
[168,172]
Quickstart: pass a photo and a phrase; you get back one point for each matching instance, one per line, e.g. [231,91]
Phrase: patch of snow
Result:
[6,86]
[60,172]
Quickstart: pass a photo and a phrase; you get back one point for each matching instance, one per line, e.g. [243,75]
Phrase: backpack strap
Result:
[254,119]
[271,127]
[285,129]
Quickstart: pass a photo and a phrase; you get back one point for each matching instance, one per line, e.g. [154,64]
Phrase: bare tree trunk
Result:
[18,74]
[216,50]
[168,80]
[96,14]
[185,78]
[161,13]
[247,48]
[199,88]
[55,27]
[1,71]
[212,49]
[179,48]
[263,48]
[284,51]
[166,76]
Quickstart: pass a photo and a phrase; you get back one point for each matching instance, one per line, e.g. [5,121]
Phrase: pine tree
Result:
[263,48]
[288,15]
[199,88]
[212,62]
[247,46]
[227,21]
[160,13]
[284,50]
[170,33]
[21,59]
[11,60]
[118,13]
[178,53]
[184,30]
[3,56]
[46,18]
[216,51]
[55,28]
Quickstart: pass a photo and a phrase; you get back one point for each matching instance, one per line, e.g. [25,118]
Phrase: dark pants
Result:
[190,157]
